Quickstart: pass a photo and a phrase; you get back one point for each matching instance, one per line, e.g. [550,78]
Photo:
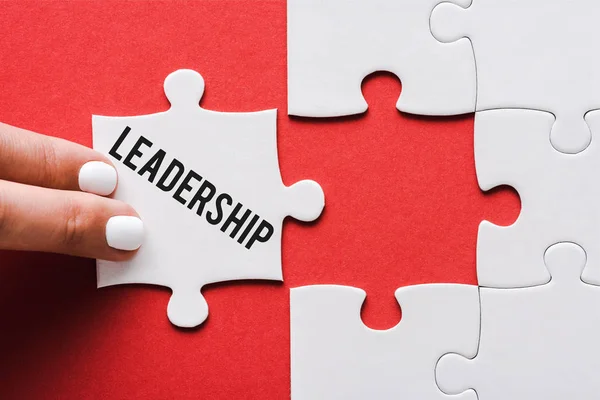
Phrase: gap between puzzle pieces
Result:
[412,240]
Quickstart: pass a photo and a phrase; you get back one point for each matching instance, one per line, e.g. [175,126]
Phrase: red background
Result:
[402,201]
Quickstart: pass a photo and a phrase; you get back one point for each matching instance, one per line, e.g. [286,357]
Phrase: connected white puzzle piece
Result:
[532,54]
[335,356]
[208,188]
[536,343]
[560,197]
[334,44]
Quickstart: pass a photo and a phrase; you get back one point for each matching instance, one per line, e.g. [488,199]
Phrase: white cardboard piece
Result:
[229,169]
[335,356]
[536,343]
[532,54]
[559,197]
[334,44]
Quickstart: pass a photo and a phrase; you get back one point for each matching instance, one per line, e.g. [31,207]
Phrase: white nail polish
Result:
[124,233]
[97,177]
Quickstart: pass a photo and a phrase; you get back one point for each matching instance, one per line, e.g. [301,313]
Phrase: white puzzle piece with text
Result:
[537,342]
[560,197]
[208,189]
[334,44]
[335,356]
[532,54]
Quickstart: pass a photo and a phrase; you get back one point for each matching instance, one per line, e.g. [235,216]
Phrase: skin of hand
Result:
[54,198]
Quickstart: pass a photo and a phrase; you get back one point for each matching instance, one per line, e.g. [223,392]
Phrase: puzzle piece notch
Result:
[334,355]
[208,186]
[537,342]
[327,61]
[566,262]
[515,67]
[450,372]
[570,133]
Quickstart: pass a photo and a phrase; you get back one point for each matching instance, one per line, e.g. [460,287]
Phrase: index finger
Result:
[39,160]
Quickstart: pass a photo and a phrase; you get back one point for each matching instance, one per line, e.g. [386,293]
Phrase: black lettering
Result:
[219,201]
[248,229]
[185,187]
[161,182]
[153,165]
[257,230]
[233,219]
[257,235]
[200,197]
[113,150]
[135,152]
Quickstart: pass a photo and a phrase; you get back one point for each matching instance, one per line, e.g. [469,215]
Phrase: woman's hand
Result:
[51,199]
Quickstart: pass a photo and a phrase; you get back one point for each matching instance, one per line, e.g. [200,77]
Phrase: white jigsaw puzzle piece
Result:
[536,343]
[532,54]
[335,356]
[334,44]
[559,197]
[208,188]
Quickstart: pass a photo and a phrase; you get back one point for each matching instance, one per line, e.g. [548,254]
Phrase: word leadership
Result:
[205,194]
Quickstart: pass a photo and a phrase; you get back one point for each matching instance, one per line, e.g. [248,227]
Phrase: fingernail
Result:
[97,177]
[124,233]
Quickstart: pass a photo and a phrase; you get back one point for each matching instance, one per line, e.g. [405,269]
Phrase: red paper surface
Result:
[402,201]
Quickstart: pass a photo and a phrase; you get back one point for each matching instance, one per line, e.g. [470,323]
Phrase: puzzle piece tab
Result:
[536,343]
[208,188]
[335,356]
[334,44]
[560,197]
[532,54]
